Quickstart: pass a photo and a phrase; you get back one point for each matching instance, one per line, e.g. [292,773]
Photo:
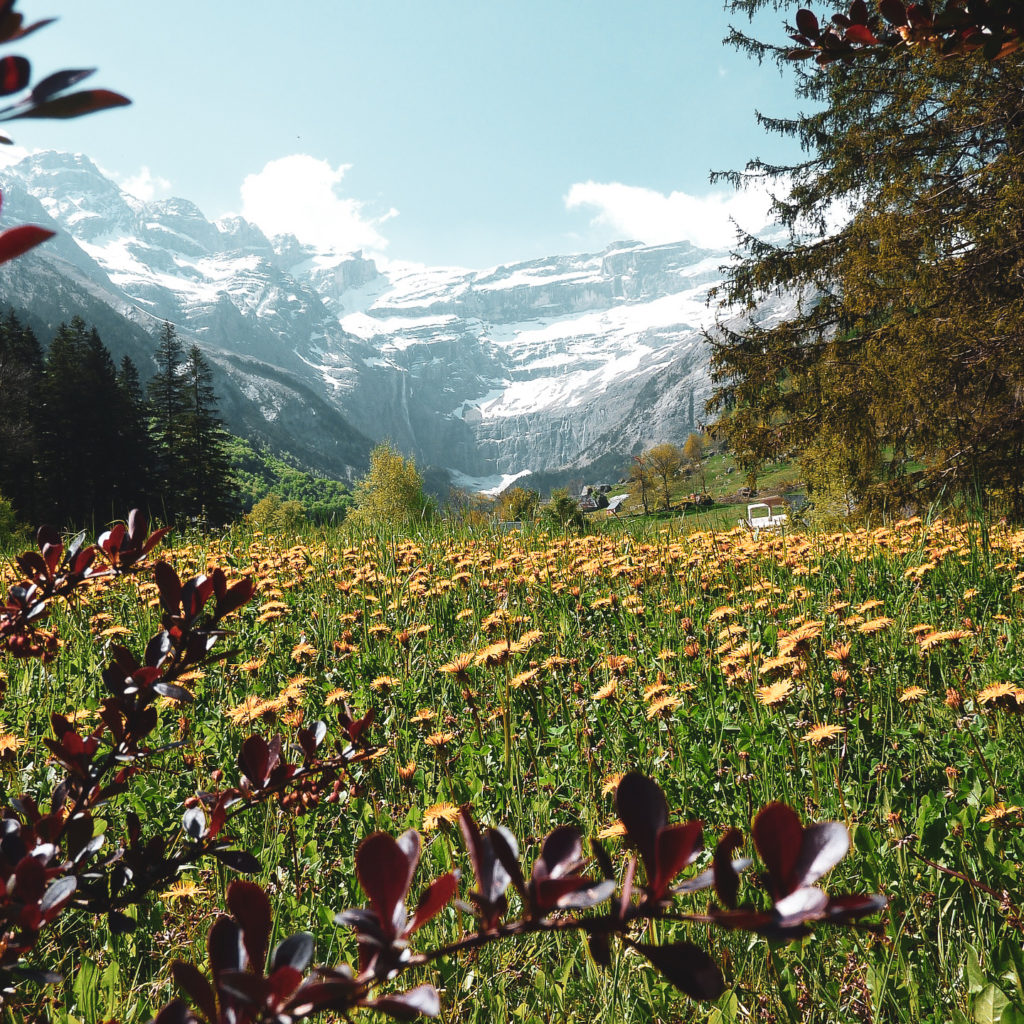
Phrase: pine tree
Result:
[21,370]
[79,426]
[208,488]
[908,340]
[135,444]
[168,403]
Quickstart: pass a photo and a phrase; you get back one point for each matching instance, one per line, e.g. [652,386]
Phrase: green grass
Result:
[907,776]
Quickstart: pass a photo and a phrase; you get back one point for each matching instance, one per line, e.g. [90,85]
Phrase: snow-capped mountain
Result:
[557,363]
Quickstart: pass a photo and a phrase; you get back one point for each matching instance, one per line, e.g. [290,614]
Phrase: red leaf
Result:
[254,759]
[76,104]
[385,875]
[807,23]
[169,586]
[727,881]
[17,241]
[676,847]
[560,854]
[859,12]
[861,34]
[14,74]
[224,946]
[196,987]
[690,969]
[822,847]
[249,904]
[778,836]
[893,11]
[436,897]
[420,1001]
[643,810]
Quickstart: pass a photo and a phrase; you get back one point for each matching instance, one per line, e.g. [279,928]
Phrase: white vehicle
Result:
[760,517]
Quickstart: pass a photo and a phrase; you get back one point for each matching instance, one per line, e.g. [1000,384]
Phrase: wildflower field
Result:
[871,678]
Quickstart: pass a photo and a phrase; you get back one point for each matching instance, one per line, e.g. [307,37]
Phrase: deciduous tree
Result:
[391,493]
[693,452]
[665,461]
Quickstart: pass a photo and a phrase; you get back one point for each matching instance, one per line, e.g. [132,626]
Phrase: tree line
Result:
[81,439]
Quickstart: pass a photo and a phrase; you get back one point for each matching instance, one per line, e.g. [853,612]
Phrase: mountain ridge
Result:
[543,365]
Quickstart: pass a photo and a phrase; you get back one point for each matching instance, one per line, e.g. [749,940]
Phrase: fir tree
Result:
[208,488]
[79,427]
[136,447]
[908,340]
[168,403]
[21,369]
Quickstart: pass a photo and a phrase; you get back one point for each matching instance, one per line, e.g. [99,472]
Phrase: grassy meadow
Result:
[872,677]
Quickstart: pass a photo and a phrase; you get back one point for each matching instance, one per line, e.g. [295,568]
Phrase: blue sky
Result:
[470,133]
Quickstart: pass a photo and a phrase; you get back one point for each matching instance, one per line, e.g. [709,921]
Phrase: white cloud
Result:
[644,214]
[145,185]
[298,194]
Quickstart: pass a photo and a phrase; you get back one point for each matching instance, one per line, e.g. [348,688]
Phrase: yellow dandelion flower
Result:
[9,743]
[424,715]
[930,640]
[784,663]
[996,692]
[457,666]
[303,650]
[611,783]
[523,678]
[554,662]
[439,739]
[968,594]
[868,606]
[839,651]
[607,690]
[252,666]
[251,708]
[619,663]
[998,813]
[722,612]
[664,705]
[655,690]
[822,733]
[527,640]
[435,814]
[116,631]
[184,889]
[383,683]
[612,831]
[405,771]
[337,695]
[875,625]
[912,694]
[775,693]
[493,654]
[466,613]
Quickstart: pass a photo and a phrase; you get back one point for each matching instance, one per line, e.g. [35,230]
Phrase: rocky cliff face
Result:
[535,366]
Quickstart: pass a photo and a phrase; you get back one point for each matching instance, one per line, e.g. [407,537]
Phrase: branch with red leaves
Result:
[53,860]
[57,571]
[245,989]
[46,99]
[995,27]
